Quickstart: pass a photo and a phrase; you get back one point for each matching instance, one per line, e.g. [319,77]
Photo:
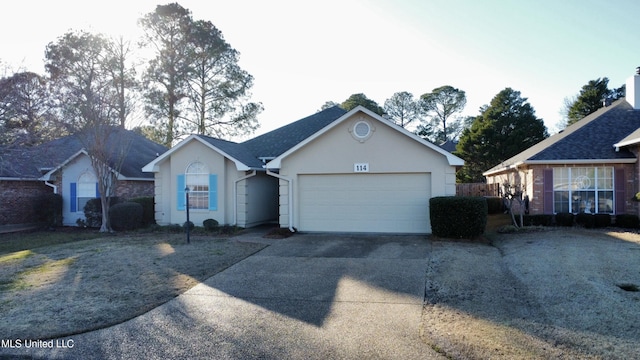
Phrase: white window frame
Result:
[197,180]
[577,183]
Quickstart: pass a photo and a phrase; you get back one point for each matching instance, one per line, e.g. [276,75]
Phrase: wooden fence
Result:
[477,189]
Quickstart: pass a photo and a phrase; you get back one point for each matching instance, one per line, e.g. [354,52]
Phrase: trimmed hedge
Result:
[536,219]
[49,209]
[564,219]
[585,220]
[628,221]
[126,216]
[93,211]
[602,220]
[211,225]
[148,209]
[458,216]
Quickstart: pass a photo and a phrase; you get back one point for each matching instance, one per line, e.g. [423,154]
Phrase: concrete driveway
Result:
[306,297]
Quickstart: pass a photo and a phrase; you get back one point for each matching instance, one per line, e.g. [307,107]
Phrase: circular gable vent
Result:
[362,129]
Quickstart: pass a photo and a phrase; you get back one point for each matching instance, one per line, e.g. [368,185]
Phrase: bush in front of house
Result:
[126,216]
[537,219]
[602,220]
[585,220]
[148,209]
[189,224]
[211,225]
[93,211]
[458,216]
[495,204]
[564,219]
[627,221]
[49,209]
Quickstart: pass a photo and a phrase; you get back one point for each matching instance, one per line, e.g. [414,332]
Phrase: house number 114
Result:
[361,167]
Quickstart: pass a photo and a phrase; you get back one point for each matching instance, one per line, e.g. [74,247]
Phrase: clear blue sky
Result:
[303,53]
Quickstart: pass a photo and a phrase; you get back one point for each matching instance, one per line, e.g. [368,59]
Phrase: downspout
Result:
[290,182]
[55,187]
[235,196]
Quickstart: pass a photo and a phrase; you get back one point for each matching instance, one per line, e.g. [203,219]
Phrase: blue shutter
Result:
[213,192]
[180,192]
[74,198]
[97,191]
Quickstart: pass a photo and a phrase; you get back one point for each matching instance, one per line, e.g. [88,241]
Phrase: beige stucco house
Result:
[332,171]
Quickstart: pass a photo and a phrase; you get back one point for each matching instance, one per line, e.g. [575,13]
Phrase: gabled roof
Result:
[274,145]
[235,152]
[452,159]
[278,141]
[35,163]
[249,155]
[594,139]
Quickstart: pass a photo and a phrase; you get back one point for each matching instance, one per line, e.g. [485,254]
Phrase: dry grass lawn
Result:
[74,286]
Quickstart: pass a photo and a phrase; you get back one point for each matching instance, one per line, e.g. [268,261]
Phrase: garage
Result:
[369,202]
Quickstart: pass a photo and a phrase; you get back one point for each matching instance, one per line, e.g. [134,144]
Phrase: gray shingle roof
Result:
[33,162]
[235,150]
[278,141]
[591,138]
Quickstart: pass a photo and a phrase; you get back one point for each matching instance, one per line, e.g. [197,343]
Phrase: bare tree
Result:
[78,65]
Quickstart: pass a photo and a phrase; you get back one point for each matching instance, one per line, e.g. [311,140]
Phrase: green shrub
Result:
[93,211]
[174,228]
[148,209]
[536,219]
[126,216]
[564,219]
[211,225]
[190,224]
[458,216]
[495,204]
[541,220]
[627,221]
[602,220]
[586,220]
[49,209]
[227,229]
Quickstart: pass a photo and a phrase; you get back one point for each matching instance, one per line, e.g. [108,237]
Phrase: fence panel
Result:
[477,189]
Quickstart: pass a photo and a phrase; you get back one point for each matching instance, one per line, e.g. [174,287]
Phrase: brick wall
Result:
[132,189]
[17,200]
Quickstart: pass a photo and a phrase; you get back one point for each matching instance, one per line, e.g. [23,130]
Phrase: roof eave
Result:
[560,162]
[451,159]
[627,143]
[154,166]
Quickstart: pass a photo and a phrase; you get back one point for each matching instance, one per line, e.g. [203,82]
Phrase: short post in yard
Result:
[188,223]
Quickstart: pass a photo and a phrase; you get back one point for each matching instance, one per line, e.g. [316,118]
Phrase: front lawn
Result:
[65,282]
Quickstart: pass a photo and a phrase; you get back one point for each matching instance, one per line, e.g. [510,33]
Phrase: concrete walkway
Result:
[305,297]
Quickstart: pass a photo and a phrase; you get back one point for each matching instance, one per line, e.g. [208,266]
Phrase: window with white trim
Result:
[583,190]
[87,189]
[197,180]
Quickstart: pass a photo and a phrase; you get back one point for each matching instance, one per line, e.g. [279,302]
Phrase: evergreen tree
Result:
[503,129]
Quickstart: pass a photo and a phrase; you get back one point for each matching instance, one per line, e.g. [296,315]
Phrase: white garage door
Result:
[365,202]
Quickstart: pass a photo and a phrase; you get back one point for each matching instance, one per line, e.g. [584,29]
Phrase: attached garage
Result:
[369,202]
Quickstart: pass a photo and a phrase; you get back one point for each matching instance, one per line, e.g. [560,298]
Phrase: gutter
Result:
[55,187]
[235,196]
[290,182]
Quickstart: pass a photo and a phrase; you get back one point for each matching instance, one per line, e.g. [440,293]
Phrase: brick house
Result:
[591,166]
[62,166]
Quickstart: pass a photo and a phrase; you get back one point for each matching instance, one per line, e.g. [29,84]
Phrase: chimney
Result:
[633,90]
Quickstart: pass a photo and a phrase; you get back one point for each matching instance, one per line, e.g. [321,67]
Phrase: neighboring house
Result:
[332,171]
[591,166]
[62,166]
